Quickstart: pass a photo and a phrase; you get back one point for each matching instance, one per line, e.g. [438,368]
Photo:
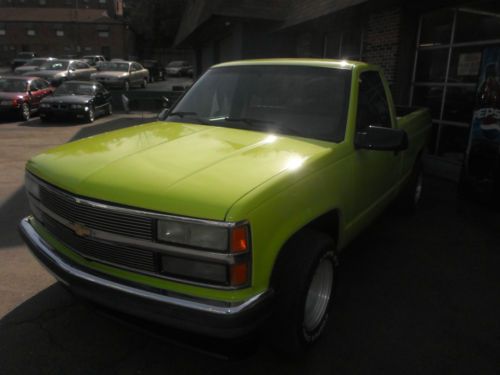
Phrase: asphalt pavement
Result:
[415,295]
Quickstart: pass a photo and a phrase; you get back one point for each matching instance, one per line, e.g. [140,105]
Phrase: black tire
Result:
[144,83]
[91,114]
[411,195]
[25,112]
[109,109]
[292,329]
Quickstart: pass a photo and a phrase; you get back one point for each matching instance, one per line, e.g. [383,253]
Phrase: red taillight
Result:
[239,239]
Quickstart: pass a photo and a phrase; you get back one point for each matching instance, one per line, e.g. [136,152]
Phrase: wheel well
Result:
[328,224]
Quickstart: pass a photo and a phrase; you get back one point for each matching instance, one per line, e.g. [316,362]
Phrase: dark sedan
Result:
[156,70]
[21,96]
[79,100]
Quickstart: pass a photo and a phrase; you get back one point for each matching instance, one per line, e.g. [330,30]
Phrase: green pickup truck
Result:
[229,212]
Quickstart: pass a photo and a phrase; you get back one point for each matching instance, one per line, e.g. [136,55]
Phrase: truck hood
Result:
[177,168]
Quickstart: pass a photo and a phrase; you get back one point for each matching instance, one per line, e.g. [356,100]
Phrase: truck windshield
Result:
[306,101]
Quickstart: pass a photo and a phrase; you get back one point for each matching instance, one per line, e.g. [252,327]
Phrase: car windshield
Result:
[55,65]
[306,101]
[175,64]
[13,85]
[114,67]
[75,88]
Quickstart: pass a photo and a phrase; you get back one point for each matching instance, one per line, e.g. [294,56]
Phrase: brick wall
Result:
[381,43]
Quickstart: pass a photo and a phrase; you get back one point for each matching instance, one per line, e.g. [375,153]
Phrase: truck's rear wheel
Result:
[411,195]
[304,284]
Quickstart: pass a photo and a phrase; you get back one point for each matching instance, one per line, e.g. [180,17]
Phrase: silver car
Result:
[33,65]
[60,70]
[121,74]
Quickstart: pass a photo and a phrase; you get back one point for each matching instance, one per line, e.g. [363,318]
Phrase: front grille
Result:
[95,217]
[134,258]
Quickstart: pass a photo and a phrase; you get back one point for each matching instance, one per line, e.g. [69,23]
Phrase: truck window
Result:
[372,102]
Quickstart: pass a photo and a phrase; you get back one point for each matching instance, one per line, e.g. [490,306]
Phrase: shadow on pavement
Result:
[16,207]
[414,294]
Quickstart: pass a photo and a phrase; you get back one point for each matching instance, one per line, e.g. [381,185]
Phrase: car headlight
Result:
[76,106]
[32,187]
[6,103]
[211,237]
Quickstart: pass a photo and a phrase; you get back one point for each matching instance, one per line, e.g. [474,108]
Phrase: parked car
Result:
[21,58]
[93,60]
[231,212]
[178,68]
[121,74]
[156,70]
[21,96]
[82,100]
[58,71]
[33,65]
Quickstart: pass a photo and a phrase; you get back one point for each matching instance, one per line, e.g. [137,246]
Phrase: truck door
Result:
[374,173]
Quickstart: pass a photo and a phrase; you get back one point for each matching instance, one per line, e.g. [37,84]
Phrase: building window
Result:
[103,1]
[31,32]
[103,34]
[2,31]
[59,32]
[42,2]
[446,72]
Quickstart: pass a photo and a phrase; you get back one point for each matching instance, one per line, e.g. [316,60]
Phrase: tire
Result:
[126,86]
[91,114]
[109,110]
[144,83]
[411,195]
[304,280]
[25,112]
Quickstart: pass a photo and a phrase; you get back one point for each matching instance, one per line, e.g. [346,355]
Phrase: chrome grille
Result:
[95,217]
[134,258]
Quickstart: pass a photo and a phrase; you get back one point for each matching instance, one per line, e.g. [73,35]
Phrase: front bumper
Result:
[213,318]
[79,114]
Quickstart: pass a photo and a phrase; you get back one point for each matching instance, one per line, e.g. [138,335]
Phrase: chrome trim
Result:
[225,258]
[193,303]
[133,211]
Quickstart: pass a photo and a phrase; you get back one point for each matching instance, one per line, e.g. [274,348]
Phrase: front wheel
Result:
[91,114]
[25,112]
[304,283]
[144,83]
[109,109]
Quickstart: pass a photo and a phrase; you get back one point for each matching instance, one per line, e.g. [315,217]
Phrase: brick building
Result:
[61,27]
[430,50]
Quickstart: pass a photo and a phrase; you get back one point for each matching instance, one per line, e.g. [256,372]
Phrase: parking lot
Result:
[415,294]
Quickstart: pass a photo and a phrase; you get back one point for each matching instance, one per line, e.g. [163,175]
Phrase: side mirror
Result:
[381,138]
[163,114]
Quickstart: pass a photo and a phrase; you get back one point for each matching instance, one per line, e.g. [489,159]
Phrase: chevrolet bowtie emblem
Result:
[80,230]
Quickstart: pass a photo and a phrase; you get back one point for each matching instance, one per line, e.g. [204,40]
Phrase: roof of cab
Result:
[324,63]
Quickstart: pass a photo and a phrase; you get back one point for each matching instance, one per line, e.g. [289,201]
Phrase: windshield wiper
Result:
[248,121]
[183,114]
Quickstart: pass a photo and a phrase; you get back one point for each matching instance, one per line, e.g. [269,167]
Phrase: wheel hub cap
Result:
[318,295]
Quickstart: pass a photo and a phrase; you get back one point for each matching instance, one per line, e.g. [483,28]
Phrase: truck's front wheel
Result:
[304,283]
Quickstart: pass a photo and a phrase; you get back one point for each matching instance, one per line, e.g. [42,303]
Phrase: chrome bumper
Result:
[199,315]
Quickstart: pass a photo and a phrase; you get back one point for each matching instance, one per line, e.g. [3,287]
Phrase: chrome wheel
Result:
[91,114]
[418,188]
[318,295]
[25,111]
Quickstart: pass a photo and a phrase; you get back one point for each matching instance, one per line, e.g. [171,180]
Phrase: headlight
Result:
[76,106]
[32,187]
[6,103]
[211,237]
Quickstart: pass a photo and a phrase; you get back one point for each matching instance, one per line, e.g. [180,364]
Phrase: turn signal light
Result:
[239,274]
[239,239]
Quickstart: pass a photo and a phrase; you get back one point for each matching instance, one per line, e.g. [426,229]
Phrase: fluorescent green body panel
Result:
[278,183]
